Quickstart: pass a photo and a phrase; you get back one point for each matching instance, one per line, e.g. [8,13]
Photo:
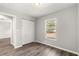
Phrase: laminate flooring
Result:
[31,49]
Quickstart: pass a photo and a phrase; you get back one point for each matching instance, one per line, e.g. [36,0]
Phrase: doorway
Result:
[5,30]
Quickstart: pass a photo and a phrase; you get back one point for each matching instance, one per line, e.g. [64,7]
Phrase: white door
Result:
[27,31]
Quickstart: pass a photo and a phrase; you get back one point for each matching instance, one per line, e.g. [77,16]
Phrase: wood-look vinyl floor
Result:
[31,49]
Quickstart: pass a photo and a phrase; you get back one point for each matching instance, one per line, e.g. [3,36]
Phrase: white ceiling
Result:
[36,11]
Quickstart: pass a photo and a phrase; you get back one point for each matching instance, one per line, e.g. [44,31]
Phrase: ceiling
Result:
[36,10]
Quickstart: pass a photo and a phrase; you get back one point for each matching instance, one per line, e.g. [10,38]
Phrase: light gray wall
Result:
[5,26]
[78,28]
[66,29]
[4,29]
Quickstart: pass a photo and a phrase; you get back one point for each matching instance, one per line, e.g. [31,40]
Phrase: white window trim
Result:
[46,29]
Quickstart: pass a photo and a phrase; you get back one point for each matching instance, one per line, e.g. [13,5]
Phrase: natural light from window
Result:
[51,28]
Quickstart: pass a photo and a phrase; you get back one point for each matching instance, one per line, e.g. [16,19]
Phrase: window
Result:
[51,28]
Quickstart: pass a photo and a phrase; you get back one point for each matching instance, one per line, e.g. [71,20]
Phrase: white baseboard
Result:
[3,38]
[59,48]
[17,46]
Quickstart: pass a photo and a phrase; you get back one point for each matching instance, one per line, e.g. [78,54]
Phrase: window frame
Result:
[46,28]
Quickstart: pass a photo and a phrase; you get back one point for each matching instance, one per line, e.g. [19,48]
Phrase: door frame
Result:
[11,25]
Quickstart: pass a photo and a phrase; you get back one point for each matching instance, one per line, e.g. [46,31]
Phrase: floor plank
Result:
[31,49]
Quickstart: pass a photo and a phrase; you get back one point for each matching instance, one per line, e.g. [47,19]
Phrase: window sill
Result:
[53,39]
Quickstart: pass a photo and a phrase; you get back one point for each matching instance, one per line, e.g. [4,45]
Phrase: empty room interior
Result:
[39,29]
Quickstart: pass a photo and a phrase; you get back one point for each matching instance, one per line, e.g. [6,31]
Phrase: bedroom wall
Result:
[5,26]
[4,30]
[78,28]
[66,29]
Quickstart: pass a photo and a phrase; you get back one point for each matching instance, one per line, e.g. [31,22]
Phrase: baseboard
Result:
[60,48]
[5,38]
[17,46]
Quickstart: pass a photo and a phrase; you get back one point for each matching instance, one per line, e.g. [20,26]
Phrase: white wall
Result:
[5,30]
[78,28]
[66,29]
